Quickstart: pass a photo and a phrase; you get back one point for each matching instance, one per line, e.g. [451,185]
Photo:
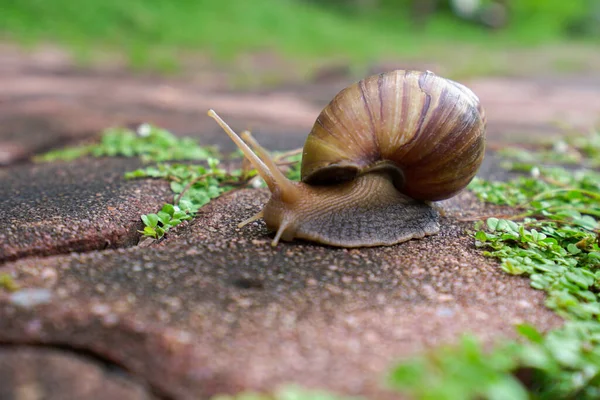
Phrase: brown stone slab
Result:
[78,206]
[56,374]
[37,124]
[214,308]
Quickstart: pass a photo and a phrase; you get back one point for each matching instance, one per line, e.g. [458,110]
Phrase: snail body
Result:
[377,154]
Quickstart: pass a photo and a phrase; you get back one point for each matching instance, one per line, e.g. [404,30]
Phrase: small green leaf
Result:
[530,332]
[492,223]
[176,187]
[540,281]
[160,232]
[579,279]
[185,205]
[179,215]
[565,351]
[149,231]
[138,173]
[163,217]
[150,220]
[169,209]
[511,268]
[481,236]
[573,249]
[502,225]
[506,388]
[536,356]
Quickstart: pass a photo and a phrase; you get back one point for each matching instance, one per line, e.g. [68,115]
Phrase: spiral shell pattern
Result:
[431,128]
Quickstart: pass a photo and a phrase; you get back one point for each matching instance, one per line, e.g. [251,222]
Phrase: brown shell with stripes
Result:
[429,131]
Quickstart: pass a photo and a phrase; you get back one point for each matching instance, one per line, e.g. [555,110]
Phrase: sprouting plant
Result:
[156,225]
[553,238]
[193,185]
[148,142]
[562,364]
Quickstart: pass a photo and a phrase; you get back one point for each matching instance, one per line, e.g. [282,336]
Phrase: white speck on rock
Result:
[49,275]
[28,298]
[110,319]
[100,309]
[524,304]
[444,312]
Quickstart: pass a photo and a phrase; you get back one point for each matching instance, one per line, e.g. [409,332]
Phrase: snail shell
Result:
[378,151]
[428,130]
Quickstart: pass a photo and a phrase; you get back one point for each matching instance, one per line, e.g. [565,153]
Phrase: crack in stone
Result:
[109,367]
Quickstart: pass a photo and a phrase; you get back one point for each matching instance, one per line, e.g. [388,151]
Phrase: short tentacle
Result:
[280,231]
[253,218]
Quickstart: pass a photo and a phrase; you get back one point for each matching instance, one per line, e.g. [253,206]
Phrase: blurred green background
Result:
[158,34]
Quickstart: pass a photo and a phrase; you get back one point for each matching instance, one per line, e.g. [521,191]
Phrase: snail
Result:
[376,158]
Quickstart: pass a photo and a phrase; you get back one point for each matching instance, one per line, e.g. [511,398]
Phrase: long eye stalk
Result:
[266,167]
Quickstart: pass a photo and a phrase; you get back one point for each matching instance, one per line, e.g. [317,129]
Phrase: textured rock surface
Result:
[79,206]
[216,309]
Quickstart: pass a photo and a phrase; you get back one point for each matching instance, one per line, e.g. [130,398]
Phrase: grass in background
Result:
[156,32]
